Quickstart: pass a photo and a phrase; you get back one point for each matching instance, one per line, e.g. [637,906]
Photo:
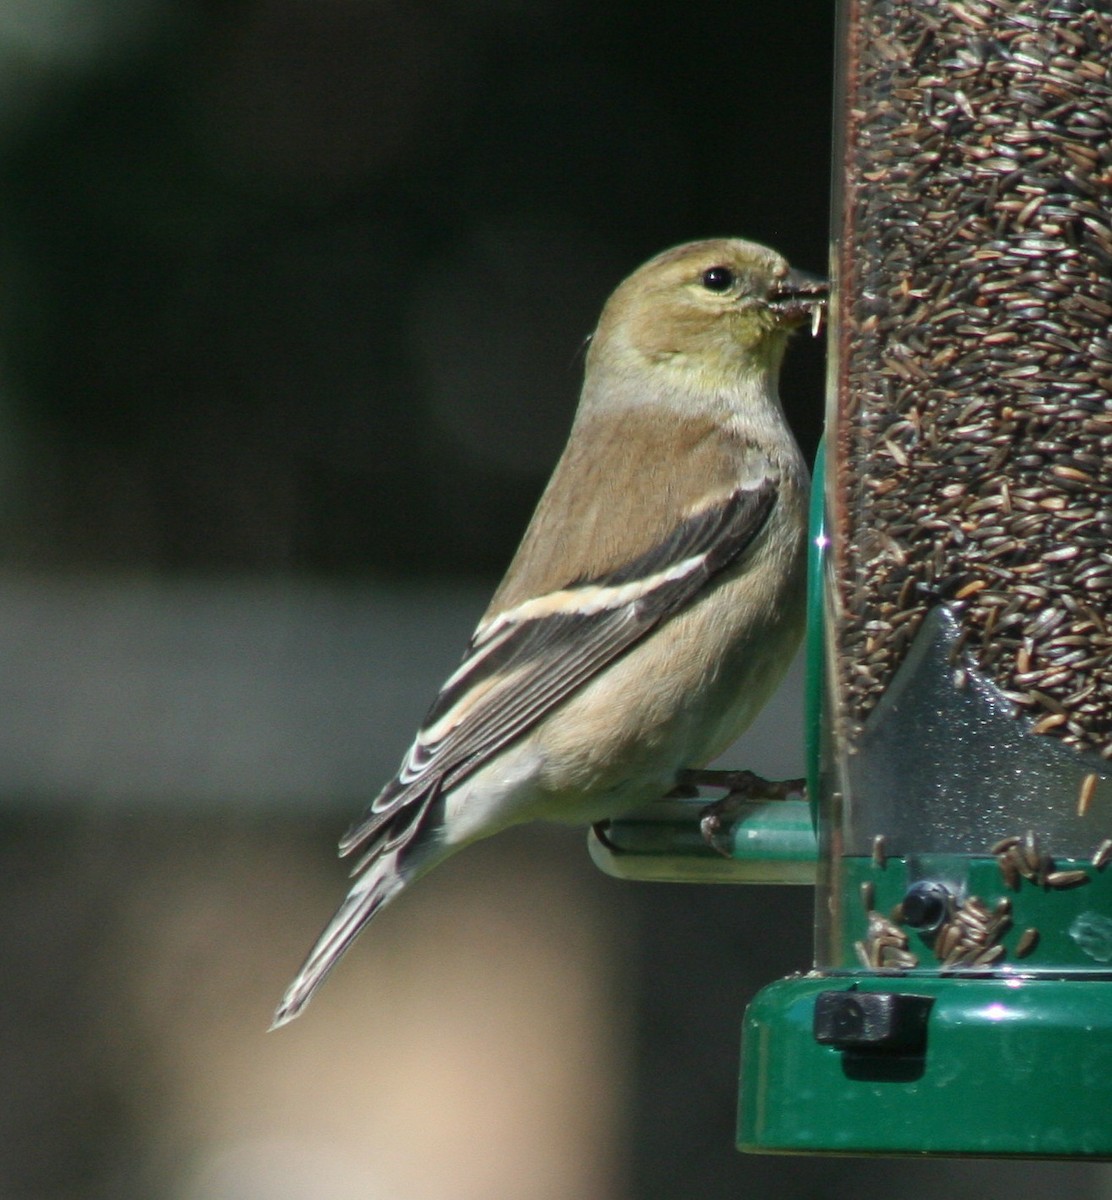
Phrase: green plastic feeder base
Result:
[926,1065]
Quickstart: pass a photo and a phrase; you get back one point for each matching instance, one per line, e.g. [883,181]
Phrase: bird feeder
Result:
[960,639]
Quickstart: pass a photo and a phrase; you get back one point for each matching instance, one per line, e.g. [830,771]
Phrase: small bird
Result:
[655,600]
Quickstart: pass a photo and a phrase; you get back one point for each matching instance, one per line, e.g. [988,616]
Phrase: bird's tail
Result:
[381,880]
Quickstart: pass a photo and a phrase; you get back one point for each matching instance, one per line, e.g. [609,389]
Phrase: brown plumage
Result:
[654,602]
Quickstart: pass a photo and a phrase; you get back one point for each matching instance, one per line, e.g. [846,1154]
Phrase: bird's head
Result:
[720,305]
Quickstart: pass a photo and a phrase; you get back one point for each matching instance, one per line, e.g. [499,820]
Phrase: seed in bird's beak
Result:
[800,295]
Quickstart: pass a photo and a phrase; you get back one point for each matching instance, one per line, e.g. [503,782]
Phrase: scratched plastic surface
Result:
[944,765]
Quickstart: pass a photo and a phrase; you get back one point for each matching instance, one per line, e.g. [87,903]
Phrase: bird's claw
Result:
[601,831]
[710,825]
[742,787]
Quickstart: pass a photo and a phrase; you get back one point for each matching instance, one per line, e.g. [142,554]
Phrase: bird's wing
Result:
[524,661]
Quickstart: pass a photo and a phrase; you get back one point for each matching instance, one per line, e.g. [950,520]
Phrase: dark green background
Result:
[301,287]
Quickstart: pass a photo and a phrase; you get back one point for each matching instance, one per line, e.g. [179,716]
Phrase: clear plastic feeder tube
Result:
[966,792]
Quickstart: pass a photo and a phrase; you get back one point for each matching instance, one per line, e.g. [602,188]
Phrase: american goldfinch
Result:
[653,604]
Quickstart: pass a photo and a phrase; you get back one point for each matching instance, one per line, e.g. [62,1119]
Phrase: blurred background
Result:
[292,301]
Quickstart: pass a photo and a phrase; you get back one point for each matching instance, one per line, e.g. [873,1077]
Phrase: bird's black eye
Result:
[718,279]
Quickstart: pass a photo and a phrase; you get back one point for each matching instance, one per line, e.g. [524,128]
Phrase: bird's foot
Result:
[745,785]
[742,787]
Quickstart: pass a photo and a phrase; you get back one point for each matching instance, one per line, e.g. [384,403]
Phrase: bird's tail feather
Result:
[382,879]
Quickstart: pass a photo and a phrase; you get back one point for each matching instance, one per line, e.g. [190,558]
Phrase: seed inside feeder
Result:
[973,455]
[971,481]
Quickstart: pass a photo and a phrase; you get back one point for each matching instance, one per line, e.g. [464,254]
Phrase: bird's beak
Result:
[799,296]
